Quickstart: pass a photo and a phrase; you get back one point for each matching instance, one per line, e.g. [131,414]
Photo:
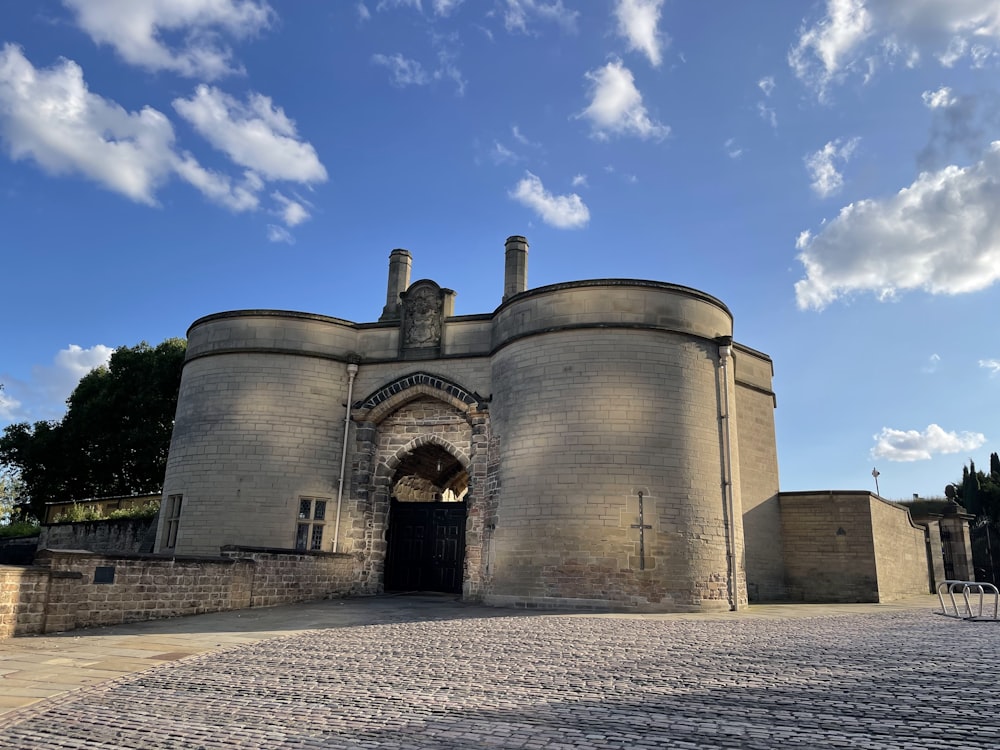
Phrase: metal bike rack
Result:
[968,590]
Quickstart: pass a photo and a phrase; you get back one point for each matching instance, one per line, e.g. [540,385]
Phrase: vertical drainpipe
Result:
[725,351]
[352,371]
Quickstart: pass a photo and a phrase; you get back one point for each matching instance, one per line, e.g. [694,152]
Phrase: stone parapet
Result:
[78,589]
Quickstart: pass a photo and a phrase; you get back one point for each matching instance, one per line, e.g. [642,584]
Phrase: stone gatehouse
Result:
[600,443]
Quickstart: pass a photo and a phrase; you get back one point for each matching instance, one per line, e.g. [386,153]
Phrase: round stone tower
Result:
[615,468]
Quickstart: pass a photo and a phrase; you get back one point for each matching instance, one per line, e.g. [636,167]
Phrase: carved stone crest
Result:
[423,313]
[423,317]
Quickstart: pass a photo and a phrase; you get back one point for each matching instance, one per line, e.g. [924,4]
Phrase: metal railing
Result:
[968,591]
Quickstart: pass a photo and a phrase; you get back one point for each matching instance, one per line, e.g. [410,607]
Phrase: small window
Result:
[173,520]
[309,530]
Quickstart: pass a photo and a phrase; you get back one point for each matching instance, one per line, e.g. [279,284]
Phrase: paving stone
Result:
[881,680]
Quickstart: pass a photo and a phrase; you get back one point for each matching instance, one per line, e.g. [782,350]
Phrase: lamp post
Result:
[875,473]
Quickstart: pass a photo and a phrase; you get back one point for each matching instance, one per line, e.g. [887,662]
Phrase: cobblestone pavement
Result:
[885,680]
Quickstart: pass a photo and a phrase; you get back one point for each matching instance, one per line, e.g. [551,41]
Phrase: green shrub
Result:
[83,513]
[149,510]
[80,513]
[20,528]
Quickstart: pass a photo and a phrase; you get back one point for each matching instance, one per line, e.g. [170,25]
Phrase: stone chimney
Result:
[515,276]
[400,262]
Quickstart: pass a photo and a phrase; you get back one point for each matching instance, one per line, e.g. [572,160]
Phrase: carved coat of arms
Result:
[422,316]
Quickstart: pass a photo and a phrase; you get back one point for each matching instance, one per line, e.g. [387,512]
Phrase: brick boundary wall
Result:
[71,589]
[285,577]
[850,546]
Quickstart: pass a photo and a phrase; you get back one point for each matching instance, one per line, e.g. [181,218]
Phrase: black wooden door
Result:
[426,547]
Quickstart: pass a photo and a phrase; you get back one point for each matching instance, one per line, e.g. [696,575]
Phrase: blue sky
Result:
[831,171]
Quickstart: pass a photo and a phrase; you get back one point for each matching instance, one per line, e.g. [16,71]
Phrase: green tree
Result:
[114,437]
[970,489]
[979,493]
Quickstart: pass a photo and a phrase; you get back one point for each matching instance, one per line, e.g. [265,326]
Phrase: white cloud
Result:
[846,38]
[383,4]
[938,99]
[50,117]
[931,366]
[822,49]
[75,361]
[961,126]
[957,47]
[363,13]
[256,135]
[824,178]
[637,22]
[500,154]
[44,395]
[981,55]
[732,150]
[9,407]
[560,211]
[616,106]
[279,234]
[913,445]
[939,234]
[767,114]
[767,85]
[993,365]
[579,180]
[445,7]
[136,30]
[447,66]
[522,138]
[404,71]
[293,212]
[518,12]
[218,187]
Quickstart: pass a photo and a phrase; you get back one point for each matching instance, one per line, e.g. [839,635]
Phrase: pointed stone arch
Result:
[387,468]
[390,397]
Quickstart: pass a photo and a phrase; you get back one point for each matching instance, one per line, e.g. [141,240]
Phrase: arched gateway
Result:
[421,445]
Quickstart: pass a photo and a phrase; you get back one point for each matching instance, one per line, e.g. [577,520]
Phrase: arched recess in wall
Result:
[426,442]
[434,463]
[431,458]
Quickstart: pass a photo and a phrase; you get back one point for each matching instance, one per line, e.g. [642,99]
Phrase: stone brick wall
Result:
[935,550]
[844,546]
[828,547]
[117,536]
[282,577]
[958,545]
[754,411]
[143,588]
[71,590]
[23,597]
[901,552]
